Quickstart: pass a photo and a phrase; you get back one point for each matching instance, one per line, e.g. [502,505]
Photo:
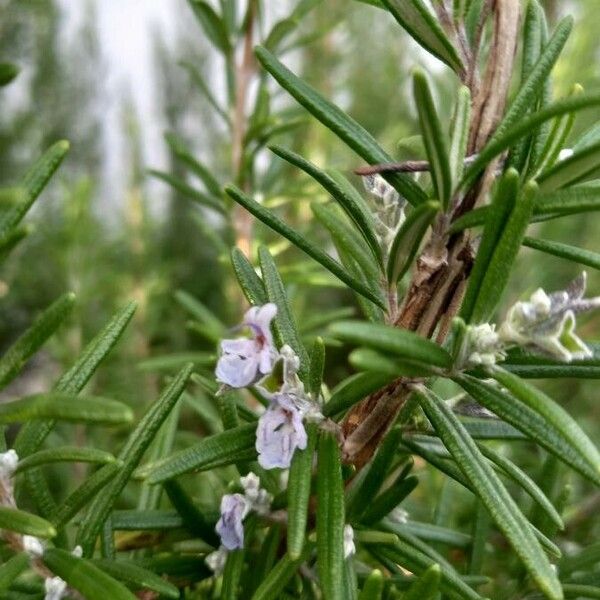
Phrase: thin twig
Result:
[408,166]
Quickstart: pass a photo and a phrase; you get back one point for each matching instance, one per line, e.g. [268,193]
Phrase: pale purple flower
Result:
[244,360]
[280,432]
[234,508]
[258,498]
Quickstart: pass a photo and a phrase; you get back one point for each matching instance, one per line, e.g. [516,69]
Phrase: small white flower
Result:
[349,547]
[244,361]
[482,345]
[399,516]
[216,560]
[77,551]
[55,588]
[547,322]
[259,499]
[8,464]
[565,153]
[234,508]
[33,546]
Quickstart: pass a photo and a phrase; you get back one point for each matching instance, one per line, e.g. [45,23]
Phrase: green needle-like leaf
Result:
[66,407]
[8,72]
[359,213]
[459,134]
[330,517]
[373,587]
[33,182]
[65,511]
[249,281]
[389,499]
[216,450]
[32,434]
[301,242]
[131,455]
[85,577]
[136,576]
[285,323]
[212,24]
[553,414]
[185,189]
[505,252]
[494,496]
[426,587]
[348,130]
[352,390]
[408,239]
[400,342]
[65,454]
[434,139]
[530,418]
[496,217]
[570,253]
[29,343]
[416,18]
[570,170]
[12,568]
[298,494]
[19,521]
[279,576]
[316,368]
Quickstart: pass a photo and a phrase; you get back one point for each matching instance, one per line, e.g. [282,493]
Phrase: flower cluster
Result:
[388,209]
[246,362]
[545,323]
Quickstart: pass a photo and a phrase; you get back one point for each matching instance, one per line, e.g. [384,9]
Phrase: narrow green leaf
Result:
[274,583]
[142,520]
[426,587]
[64,454]
[459,134]
[284,323]
[530,89]
[522,127]
[136,577]
[212,24]
[531,421]
[65,511]
[437,534]
[203,173]
[66,407]
[316,368]
[330,517]
[351,390]
[33,182]
[492,493]
[185,189]
[366,488]
[298,494]
[496,217]
[570,253]
[554,415]
[434,138]
[346,238]
[28,343]
[373,587]
[389,499]
[481,531]
[570,170]
[193,518]
[12,568]
[523,480]
[572,200]
[85,577]
[400,342]
[9,242]
[408,239]
[574,590]
[131,454]
[32,434]
[498,269]
[423,26]
[13,519]
[365,359]
[348,130]
[249,281]
[362,218]
[216,450]
[300,241]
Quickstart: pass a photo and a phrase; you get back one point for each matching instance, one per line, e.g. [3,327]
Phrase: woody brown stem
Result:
[437,285]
